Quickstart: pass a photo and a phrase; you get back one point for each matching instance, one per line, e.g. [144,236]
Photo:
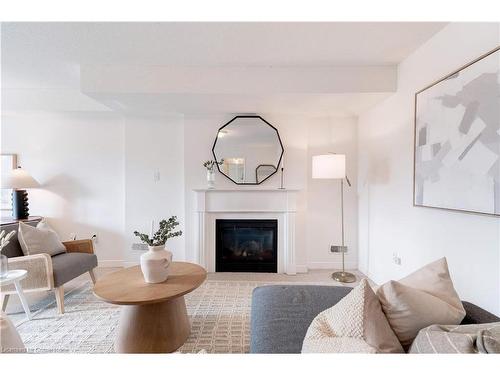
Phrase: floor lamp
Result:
[332,166]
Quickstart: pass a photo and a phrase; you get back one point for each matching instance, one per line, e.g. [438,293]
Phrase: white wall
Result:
[154,179]
[387,220]
[323,196]
[97,171]
[318,218]
[78,158]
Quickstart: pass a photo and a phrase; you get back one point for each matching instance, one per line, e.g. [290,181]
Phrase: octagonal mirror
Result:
[249,148]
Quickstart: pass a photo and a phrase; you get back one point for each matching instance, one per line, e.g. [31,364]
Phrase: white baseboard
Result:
[331,265]
[301,269]
[130,264]
[116,263]
[110,263]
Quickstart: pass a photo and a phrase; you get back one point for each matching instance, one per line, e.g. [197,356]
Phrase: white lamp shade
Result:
[18,179]
[329,166]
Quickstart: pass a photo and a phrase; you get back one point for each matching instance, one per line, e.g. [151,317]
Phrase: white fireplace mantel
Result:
[246,203]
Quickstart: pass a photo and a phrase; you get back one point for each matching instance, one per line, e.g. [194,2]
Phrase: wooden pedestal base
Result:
[153,328]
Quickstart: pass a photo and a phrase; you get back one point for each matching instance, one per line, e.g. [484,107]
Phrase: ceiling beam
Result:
[237,80]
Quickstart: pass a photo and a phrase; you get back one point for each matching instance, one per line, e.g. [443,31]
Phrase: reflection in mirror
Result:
[250,149]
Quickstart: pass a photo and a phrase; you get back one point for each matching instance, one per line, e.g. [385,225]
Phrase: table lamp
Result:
[19,180]
[332,166]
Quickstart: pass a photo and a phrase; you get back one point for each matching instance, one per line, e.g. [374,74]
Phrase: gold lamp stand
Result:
[342,276]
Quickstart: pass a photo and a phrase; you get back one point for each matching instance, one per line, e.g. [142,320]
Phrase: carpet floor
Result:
[219,311]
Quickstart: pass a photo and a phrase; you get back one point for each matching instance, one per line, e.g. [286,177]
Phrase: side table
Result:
[14,276]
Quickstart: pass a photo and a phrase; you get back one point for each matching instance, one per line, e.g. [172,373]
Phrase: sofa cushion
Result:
[67,266]
[356,324]
[281,314]
[476,315]
[423,298]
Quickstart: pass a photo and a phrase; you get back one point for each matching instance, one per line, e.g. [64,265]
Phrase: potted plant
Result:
[210,166]
[156,262]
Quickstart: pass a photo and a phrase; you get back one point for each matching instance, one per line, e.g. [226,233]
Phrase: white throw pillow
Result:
[356,324]
[42,239]
[423,298]
[10,341]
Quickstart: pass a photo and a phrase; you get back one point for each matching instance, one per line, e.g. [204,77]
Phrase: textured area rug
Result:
[219,312]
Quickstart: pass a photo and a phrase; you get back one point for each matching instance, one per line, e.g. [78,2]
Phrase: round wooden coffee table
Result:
[153,318]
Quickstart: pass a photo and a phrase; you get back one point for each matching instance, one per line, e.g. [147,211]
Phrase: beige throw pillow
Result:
[356,324]
[10,341]
[421,299]
[42,239]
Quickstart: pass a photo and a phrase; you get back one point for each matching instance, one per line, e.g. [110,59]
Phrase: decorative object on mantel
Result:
[156,262]
[457,139]
[210,165]
[332,166]
[251,149]
[19,180]
[4,241]
[281,177]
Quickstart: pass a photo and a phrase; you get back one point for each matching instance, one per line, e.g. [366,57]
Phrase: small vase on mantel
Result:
[211,179]
[155,264]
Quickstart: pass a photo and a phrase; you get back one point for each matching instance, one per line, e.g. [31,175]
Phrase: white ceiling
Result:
[48,56]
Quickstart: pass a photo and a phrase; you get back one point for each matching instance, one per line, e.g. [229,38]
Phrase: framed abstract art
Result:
[457,139]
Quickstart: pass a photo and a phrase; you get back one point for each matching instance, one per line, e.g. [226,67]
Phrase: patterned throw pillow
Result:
[42,239]
[471,338]
[421,299]
[356,324]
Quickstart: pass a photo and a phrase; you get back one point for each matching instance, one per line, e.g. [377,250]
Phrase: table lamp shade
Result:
[18,179]
[329,166]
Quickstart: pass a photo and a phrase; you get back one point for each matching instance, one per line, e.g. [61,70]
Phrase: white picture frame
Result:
[8,162]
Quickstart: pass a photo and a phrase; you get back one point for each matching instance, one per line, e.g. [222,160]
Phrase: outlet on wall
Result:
[156,176]
[396,258]
[139,246]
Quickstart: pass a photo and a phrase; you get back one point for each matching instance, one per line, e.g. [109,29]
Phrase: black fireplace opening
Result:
[246,246]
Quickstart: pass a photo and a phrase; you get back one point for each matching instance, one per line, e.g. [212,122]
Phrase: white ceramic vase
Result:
[155,264]
[211,179]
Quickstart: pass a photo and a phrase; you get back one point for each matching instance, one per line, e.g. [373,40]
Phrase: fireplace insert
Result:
[246,246]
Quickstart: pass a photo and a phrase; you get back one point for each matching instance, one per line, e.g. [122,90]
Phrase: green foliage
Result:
[162,235]
[210,164]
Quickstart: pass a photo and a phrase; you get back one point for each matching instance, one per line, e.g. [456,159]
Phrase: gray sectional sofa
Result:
[281,314]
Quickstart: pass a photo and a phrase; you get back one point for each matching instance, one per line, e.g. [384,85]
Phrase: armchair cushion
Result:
[67,266]
[41,239]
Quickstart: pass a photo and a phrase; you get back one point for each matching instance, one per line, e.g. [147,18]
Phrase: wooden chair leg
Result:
[4,301]
[60,299]
[92,276]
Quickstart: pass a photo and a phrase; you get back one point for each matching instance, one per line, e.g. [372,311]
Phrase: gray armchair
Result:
[46,272]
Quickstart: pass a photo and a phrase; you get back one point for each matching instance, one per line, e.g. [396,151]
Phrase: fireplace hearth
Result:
[246,245]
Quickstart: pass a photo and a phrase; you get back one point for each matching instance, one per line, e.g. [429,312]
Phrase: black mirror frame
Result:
[279,139]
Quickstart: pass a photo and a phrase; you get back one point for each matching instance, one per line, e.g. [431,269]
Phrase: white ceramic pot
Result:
[155,264]
[211,179]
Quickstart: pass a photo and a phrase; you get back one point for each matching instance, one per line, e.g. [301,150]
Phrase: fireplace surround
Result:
[245,204]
